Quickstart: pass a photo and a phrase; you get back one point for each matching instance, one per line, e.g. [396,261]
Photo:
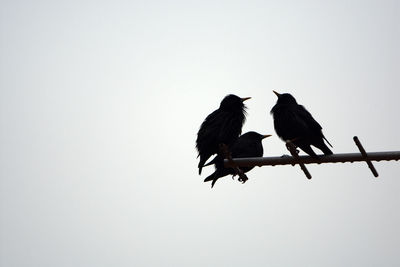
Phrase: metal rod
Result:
[335,158]
[366,157]
[292,148]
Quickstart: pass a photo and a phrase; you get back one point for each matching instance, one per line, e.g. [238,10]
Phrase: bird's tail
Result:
[213,178]
[213,161]
[327,141]
[308,150]
[200,168]
[201,164]
[325,149]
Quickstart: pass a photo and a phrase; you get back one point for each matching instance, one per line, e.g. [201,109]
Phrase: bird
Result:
[223,126]
[292,122]
[247,145]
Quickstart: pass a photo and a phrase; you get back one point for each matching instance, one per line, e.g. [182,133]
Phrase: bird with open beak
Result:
[223,126]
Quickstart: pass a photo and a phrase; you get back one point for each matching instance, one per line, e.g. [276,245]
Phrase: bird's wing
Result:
[289,123]
[231,121]
[231,127]
[209,126]
[213,161]
[308,120]
[313,125]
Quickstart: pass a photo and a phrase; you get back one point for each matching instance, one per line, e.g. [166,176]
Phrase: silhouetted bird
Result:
[223,126]
[248,145]
[293,122]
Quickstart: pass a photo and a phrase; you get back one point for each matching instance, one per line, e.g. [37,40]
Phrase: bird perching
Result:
[302,160]
[247,145]
[223,126]
[219,134]
[294,123]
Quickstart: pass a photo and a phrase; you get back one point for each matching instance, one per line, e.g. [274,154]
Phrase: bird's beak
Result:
[245,98]
[265,136]
[277,94]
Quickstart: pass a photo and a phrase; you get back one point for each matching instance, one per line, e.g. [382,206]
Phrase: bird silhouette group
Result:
[220,134]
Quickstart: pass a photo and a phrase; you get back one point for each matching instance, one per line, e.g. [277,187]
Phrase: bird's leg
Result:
[292,148]
[288,146]
[226,153]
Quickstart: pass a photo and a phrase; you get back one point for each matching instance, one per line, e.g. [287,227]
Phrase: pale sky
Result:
[101,101]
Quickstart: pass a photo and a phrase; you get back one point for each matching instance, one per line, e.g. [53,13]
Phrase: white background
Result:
[101,101]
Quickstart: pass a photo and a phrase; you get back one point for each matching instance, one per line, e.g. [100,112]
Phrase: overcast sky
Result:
[101,101]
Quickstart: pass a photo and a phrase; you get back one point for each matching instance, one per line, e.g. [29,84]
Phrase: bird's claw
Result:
[243,178]
[290,145]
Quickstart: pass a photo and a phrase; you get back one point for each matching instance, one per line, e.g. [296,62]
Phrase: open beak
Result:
[265,136]
[245,98]
[277,94]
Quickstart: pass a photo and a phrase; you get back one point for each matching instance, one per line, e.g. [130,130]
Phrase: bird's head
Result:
[285,99]
[255,136]
[233,102]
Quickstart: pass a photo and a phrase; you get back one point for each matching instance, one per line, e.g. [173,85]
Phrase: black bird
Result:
[247,145]
[293,122]
[223,126]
